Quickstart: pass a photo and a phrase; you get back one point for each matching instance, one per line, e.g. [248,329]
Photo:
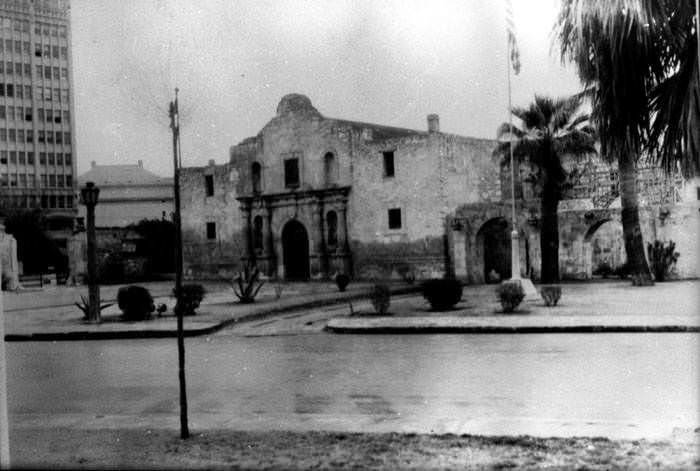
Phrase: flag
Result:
[512,43]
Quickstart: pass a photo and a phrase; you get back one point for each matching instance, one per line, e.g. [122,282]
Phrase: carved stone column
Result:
[247,232]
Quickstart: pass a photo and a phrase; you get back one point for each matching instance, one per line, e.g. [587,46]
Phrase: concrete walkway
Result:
[51,314]
[584,307]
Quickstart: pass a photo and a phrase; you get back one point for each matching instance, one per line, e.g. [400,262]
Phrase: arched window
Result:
[330,169]
[256,172]
[332,224]
[258,233]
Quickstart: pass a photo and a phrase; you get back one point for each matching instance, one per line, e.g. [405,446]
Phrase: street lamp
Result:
[89,195]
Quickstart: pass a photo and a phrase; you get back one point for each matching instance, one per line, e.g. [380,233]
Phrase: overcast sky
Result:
[384,62]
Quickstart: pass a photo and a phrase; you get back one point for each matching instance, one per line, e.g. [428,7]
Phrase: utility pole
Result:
[175,126]
[4,425]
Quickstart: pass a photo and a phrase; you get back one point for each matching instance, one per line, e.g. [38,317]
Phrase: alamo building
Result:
[311,196]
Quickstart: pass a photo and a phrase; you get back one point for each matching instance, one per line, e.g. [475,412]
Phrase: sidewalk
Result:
[584,307]
[52,315]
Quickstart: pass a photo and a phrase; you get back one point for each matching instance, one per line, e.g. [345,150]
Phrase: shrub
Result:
[550,294]
[406,273]
[342,280]
[192,295]
[442,294]
[662,258]
[381,298]
[622,271]
[84,305]
[247,283]
[603,269]
[510,294]
[135,302]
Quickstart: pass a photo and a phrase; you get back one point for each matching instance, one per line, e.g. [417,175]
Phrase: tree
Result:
[675,102]
[550,130]
[35,249]
[158,243]
[620,61]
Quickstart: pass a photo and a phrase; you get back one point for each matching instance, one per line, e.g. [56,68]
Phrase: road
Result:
[616,385]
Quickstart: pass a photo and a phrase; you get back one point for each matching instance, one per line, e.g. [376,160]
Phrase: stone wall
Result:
[218,257]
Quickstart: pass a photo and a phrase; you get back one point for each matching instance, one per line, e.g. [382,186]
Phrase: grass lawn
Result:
[279,450]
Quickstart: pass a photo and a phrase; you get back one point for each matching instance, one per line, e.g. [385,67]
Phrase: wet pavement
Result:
[615,385]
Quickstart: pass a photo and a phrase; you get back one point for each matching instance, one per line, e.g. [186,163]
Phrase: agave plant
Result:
[247,283]
[84,305]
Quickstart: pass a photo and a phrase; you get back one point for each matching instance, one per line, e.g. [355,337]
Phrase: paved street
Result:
[617,385]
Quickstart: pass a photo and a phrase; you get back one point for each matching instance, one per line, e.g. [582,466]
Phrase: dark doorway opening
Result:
[496,252]
[295,251]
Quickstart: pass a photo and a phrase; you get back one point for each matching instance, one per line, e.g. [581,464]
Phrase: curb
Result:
[579,329]
[141,334]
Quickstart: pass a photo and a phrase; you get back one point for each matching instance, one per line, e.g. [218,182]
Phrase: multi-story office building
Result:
[37,151]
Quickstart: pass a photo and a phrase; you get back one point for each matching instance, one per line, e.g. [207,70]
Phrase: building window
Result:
[330,169]
[698,190]
[211,231]
[209,183]
[256,173]
[291,173]
[395,218]
[332,226]
[388,163]
[258,233]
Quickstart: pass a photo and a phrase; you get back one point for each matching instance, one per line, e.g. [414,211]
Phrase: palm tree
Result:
[675,102]
[620,61]
[551,129]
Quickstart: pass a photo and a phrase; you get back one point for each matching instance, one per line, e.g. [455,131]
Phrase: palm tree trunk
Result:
[634,243]
[549,236]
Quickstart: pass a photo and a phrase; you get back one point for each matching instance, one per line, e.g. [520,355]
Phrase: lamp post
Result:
[89,195]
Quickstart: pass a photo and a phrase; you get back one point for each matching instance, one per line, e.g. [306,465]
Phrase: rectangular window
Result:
[8,68]
[59,159]
[22,180]
[47,50]
[66,116]
[388,163]
[28,92]
[209,183]
[20,135]
[30,136]
[37,50]
[42,157]
[21,157]
[66,138]
[47,94]
[30,181]
[44,201]
[44,180]
[55,73]
[10,90]
[291,173]
[26,47]
[211,231]
[51,158]
[12,134]
[54,50]
[68,158]
[13,179]
[64,52]
[3,157]
[3,113]
[28,70]
[3,135]
[18,92]
[30,157]
[395,218]
[47,72]
[2,89]
[69,181]
[64,73]
[8,45]
[49,116]
[13,156]
[18,68]
[52,201]
[27,114]
[11,113]
[56,95]
[40,114]
[60,181]
[41,136]
[52,180]
[64,95]
[18,47]
[61,201]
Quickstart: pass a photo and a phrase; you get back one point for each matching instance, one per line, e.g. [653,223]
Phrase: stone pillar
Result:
[268,242]
[323,252]
[459,254]
[344,254]
[247,232]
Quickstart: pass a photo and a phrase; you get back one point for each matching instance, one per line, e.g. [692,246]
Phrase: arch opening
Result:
[295,251]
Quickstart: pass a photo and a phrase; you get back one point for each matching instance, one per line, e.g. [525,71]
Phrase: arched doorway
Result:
[604,248]
[494,241]
[295,251]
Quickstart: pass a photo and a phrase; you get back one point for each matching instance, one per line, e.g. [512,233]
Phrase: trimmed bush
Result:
[662,258]
[381,298]
[342,281]
[135,302]
[510,294]
[442,294]
[192,296]
[550,294]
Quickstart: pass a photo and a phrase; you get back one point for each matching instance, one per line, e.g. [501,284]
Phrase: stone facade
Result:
[590,227]
[311,196]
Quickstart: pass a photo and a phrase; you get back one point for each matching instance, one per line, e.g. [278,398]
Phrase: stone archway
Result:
[604,247]
[295,251]
[493,241]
